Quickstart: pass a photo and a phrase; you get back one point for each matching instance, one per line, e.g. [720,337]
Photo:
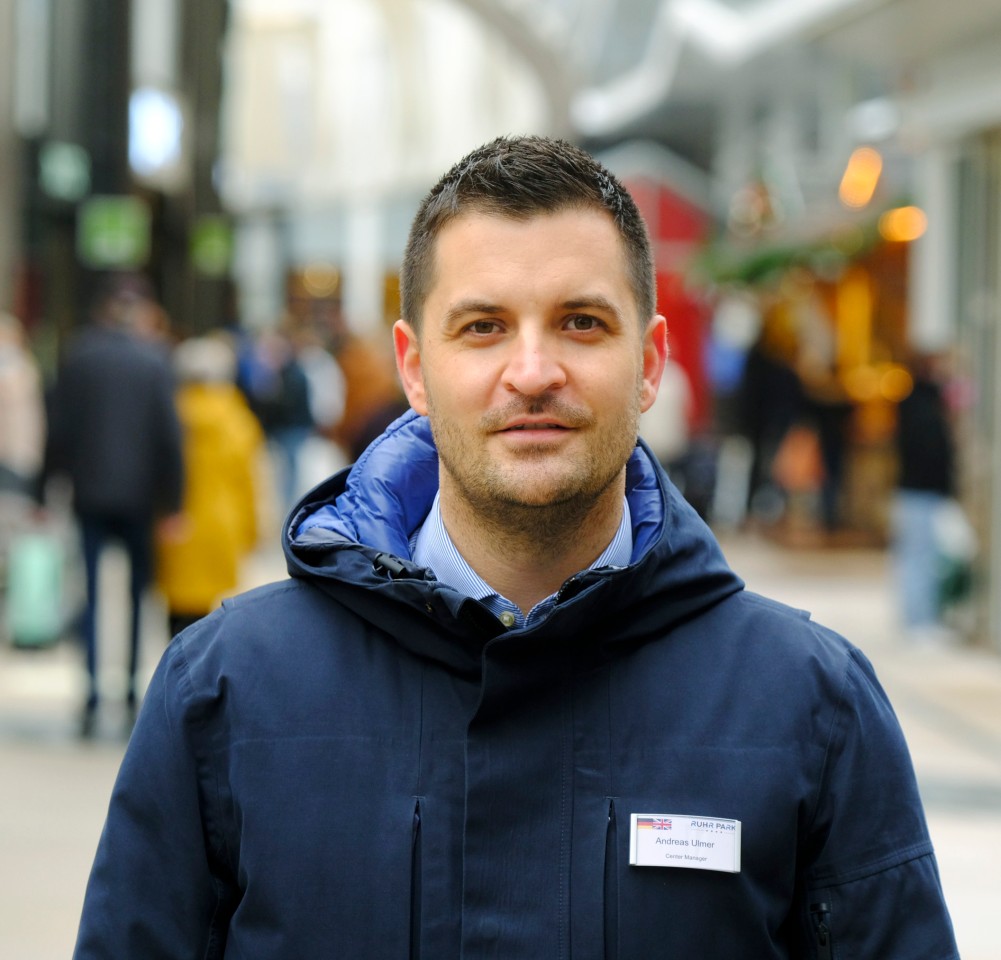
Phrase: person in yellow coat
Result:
[198,559]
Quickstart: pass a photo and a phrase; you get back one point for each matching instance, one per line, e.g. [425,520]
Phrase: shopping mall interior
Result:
[820,181]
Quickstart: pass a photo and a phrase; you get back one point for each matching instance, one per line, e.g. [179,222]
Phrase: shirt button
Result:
[507,618]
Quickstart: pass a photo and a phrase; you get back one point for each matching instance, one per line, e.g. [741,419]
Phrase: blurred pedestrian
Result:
[830,412]
[770,400]
[198,558]
[925,484]
[22,437]
[279,393]
[327,388]
[114,432]
[322,454]
[373,398]
[22,411]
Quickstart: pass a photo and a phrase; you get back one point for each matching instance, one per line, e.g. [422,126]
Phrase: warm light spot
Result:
[903,224]
[896,383]
[858,183]
[853,318]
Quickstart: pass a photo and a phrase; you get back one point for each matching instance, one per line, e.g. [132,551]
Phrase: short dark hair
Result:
[114,295]
[521,177]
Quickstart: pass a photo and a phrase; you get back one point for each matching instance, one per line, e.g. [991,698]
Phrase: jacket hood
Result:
[350,537]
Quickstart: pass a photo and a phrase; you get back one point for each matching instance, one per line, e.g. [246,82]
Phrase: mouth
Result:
[537,420]
[534,426]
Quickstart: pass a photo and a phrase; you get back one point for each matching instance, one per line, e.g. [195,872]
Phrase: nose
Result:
[534,365]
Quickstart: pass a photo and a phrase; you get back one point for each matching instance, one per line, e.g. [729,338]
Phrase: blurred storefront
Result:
[110,150]
[858,176]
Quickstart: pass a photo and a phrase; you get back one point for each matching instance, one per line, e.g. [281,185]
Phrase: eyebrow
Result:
[595,302]
[590,302]
[464,307]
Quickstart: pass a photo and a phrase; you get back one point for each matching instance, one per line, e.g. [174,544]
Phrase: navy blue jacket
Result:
[359,762]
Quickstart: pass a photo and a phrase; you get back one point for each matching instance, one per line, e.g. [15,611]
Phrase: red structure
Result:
[678,228]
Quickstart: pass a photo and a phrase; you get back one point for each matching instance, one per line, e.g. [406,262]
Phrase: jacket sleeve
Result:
[873,887]
[158,888]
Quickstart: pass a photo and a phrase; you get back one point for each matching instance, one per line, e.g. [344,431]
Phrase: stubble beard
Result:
[545,497]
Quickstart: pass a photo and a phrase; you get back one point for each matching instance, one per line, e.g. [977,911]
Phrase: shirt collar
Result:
[432,547]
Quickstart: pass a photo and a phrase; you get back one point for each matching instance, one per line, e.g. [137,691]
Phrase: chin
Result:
[551,493]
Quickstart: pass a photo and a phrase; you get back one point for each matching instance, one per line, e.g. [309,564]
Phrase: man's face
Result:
[531,364]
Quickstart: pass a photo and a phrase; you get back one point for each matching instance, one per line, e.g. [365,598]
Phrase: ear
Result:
[408,364]
[654,358]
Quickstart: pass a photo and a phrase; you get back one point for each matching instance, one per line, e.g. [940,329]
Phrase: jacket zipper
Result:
[821,913]
[415,886]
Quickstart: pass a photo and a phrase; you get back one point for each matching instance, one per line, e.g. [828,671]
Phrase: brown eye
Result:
[482,326]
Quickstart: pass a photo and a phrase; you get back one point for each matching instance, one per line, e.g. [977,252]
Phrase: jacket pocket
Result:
[415,885]
[611,886]
[820,916]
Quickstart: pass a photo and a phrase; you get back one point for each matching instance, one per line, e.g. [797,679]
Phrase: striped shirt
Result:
[432,547]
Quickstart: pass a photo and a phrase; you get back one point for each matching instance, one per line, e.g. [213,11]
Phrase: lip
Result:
[534,426]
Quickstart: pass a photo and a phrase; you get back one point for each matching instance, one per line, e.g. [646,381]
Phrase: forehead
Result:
[566,247]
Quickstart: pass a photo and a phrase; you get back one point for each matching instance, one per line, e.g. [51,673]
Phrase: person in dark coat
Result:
[770,401]
[512,702]
[114,432]
[925,483]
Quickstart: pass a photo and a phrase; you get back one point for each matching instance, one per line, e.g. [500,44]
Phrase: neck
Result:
[525,552]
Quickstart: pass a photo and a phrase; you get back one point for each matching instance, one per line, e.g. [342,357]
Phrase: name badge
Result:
[673,840]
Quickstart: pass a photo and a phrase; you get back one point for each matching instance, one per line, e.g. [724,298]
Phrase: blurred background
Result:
[822,183]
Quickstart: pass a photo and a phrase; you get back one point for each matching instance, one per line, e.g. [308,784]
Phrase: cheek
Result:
[447,395]
[462,386]
[627,387]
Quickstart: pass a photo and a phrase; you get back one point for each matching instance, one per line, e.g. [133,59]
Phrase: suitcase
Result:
[33,607]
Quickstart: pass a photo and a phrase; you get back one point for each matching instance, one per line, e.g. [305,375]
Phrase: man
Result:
[114,432]
[926,486]
[512,702]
